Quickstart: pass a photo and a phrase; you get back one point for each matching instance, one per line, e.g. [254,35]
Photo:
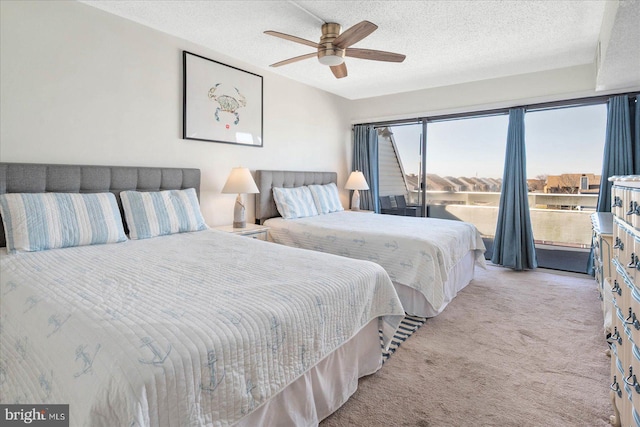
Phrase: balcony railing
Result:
[556,219]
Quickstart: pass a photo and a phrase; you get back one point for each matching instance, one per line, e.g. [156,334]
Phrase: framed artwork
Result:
[221,103]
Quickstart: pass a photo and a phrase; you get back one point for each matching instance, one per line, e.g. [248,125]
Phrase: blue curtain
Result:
[513,245]
[634,105]
[365,159]
[619,150]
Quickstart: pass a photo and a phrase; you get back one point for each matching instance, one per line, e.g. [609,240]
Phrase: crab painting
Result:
[227,103]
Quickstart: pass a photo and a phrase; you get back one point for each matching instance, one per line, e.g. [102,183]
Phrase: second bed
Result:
[429,260]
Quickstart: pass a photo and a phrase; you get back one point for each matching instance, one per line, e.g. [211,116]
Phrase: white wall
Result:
[553,85]
[81,86]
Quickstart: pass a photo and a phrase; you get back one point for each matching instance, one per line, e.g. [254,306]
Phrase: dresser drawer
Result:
[626,205]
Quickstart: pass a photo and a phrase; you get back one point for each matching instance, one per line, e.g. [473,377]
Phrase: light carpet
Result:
[512,349]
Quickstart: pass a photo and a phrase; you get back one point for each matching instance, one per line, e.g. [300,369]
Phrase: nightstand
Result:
[254,231]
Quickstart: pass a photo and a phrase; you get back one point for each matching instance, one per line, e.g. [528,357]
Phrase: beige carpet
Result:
[512,349]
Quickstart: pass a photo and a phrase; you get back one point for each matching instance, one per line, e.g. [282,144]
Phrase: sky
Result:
[563,140]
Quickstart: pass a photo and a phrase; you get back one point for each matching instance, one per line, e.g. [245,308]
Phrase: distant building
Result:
[536,185]
[459,184]
[438,183]
[455,184]
[573,183]
[568,183]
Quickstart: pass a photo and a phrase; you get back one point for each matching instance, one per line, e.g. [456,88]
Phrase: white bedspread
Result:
[190,329]
[416,252]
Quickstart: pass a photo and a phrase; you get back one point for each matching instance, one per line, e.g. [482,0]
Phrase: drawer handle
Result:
[616,387]
[634,260]
[617,202]
[619,244]
[634,381]
[634,321]
[615,337]
[632,208]
[616,288]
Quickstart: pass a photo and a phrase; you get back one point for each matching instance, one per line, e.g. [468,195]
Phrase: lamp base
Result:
[238,213]
[355,201]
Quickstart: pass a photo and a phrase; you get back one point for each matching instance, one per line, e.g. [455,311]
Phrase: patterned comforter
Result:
[416,252]
[189,329]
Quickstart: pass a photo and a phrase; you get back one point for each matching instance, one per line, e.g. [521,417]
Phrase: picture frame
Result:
[221,103]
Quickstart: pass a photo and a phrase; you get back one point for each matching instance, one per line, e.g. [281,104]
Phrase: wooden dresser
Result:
[625,281]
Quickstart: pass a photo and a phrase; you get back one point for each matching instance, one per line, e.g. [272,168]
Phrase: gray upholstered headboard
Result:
[43,178]
[266,180]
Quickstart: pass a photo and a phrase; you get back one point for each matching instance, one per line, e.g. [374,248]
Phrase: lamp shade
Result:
[240,181]
[356,181]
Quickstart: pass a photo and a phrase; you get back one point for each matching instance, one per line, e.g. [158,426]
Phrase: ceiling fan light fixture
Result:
[331,60]
[329,55]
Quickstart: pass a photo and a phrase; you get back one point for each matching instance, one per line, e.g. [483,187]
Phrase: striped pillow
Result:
[326,198]
[294,202]
[158,213]
[39,221]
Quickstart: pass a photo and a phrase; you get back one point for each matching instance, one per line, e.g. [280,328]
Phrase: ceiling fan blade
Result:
[354,34]
[294,59]
[292,38]
[339,71]
[374,55]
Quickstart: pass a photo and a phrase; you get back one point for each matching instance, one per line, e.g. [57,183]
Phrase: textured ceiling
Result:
[446,42]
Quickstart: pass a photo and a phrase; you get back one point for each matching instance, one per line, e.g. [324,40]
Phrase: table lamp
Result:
[240,181]
[356,182]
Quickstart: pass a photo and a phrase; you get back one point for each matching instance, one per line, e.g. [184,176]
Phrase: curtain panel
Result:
[621,150]
[513,245]
[365,159]
[618,158]
[634,110]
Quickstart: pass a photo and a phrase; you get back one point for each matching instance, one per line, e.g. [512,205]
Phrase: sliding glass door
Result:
[465,159]
[400,166]
[564,162]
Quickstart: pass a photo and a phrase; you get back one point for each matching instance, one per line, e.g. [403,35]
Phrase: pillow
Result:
[326,198]
[294,202]
[158,213]
[39,221]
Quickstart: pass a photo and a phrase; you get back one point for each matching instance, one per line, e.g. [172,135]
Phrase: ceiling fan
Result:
[334,46]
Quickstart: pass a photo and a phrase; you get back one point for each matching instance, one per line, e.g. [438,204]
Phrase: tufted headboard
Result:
[266,180]
[47,178]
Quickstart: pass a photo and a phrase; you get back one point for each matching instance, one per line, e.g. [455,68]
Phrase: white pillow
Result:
[158,213]
[294,202]
[326,198]
[40,221]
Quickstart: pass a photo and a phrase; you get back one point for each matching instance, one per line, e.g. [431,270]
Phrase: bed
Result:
[429,260]
[187,328]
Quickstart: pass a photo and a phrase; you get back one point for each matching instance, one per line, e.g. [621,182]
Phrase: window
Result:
[564,161]
[584,183]
[400,162]
[465,159]
[454,171]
